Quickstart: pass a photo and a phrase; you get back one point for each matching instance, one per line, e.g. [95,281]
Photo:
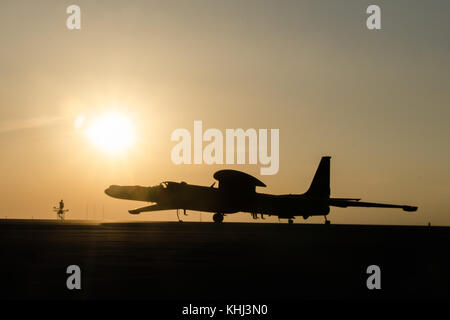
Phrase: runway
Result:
[229,261]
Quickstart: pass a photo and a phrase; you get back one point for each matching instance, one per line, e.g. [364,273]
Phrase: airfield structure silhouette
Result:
[60,211]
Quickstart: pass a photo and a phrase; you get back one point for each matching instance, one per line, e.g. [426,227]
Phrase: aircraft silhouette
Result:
[236,193]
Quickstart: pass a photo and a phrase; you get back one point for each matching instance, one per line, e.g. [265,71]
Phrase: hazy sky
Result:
[376,101]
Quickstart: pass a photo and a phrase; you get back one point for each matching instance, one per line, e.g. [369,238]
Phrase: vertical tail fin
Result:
[320,186]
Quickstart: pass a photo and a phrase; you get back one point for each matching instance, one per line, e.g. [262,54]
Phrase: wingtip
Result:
[410,208]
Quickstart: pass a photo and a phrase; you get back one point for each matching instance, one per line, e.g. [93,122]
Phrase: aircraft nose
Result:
[131,193]
[110,190]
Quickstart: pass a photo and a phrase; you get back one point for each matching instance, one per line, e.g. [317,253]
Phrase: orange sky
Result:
[376,101]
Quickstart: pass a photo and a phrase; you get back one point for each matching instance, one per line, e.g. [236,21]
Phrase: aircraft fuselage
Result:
[175,195]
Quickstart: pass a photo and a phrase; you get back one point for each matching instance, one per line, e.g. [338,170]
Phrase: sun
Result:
[112,132]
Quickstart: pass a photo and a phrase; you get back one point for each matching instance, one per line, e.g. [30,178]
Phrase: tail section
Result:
[320,186]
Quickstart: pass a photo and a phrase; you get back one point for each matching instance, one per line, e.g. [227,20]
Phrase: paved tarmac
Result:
[231,261]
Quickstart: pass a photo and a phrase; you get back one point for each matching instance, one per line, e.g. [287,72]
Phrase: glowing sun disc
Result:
[112,133]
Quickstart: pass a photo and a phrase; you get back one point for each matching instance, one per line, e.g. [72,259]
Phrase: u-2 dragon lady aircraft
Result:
[237,193]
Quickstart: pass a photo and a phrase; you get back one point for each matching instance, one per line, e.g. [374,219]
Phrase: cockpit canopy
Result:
[164,184]
[169,184]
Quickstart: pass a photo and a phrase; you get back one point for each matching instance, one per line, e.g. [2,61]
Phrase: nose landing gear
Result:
[178,216]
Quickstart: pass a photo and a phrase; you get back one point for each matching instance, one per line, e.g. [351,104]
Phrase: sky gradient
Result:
[378,102]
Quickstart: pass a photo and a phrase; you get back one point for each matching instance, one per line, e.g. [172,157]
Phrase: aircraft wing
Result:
[344,203]
[154,207]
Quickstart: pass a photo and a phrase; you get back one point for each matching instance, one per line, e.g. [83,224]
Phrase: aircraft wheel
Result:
[327,222]
[291,221]
[218,218]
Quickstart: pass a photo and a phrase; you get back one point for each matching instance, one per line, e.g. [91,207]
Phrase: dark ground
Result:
[230,261]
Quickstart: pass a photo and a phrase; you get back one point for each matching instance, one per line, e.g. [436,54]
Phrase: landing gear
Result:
[255,216]
[218,218]
[178,216]
[327,222]
[290,221]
